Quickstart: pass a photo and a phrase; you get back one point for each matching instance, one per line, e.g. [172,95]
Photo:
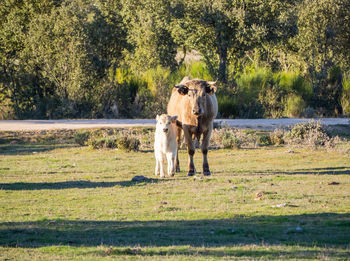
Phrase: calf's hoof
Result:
[207,173]
[190,173]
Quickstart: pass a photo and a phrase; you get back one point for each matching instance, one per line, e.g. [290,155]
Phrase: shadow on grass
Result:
[22,149]
[80,184]
[328,230]
[317,171]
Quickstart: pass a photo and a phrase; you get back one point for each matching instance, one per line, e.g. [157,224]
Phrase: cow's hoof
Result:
[177,170]
[207,173]
[190,173]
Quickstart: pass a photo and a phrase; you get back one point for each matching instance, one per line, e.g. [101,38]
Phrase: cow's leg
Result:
[191,150]
[178,140]
[204,148]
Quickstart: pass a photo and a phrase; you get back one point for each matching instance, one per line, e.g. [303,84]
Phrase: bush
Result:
[123,139]
[309,112]
[128,144]
[293,82]
[310,134]
[103,142]
[277,137]
[230,141]
[227,103]
[294,106]
[81,137]
[230,138]
[345,99]
[264,140]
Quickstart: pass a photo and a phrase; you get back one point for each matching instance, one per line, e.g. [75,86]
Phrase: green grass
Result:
[69,202]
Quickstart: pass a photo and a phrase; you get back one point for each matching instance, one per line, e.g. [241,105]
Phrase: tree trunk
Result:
[222,65]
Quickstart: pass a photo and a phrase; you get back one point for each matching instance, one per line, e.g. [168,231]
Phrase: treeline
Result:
[121,58]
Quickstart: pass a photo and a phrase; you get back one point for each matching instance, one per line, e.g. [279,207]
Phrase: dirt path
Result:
[267,124]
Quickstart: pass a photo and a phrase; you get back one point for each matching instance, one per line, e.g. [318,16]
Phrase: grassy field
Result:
[70,202]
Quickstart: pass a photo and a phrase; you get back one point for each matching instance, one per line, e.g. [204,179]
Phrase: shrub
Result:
[310,134]
[345,99]
[128,139]
[234,138]
[228,106]
[293,82]
[277,137]
[128,144]
[103,142]
[294,106]
[199,70]
[264,140]
[81,137]
[309,112]
[231,141]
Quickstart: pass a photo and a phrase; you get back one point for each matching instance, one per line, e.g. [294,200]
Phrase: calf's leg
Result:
[156,171]
[162,162]
[171,163]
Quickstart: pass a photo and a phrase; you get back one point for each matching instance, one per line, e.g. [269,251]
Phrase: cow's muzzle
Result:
[165,130]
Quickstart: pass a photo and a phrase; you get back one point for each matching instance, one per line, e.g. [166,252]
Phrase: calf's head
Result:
[197,92]
[164,122]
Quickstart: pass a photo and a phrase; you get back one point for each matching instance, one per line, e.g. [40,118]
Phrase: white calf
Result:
[165,144]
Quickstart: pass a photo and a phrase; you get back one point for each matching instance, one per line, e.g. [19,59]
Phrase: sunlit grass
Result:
[79,203]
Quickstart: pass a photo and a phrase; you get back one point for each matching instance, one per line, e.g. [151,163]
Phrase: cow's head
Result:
[197,92]
[164,122]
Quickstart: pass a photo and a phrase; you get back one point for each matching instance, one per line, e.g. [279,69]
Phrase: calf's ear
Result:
[210,88]
[157,118]
[173,119]
[182,89]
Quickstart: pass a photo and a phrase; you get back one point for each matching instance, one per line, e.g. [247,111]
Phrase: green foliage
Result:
[345,99]
[77,58]
[310,134]
[264,93]
[294,106]
[277,137]
[294,82]
[127,143]
[82,137]
[199,70]
[301,130]
[264,140]
[115,138]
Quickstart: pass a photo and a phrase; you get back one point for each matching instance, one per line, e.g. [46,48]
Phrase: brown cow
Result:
[195,104]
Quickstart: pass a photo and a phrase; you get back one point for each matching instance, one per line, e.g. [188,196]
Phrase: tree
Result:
[222,27]
[149,38]
[323,42]
[18,87]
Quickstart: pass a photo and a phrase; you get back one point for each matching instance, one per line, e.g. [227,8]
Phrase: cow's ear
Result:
[157,118]
[210,88]
[173,119]
[182,89]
